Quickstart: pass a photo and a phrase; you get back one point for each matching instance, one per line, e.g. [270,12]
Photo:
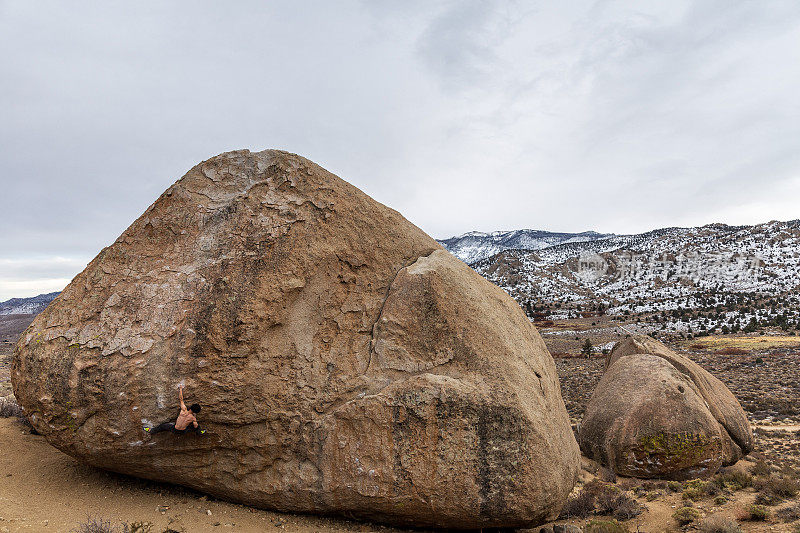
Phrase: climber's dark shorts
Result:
[170,426]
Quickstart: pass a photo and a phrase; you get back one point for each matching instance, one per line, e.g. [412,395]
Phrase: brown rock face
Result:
[344,361]
[657,414]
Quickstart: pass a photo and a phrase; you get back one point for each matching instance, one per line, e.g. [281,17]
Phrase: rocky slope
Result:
[16,314]
[715,267]
[27,306]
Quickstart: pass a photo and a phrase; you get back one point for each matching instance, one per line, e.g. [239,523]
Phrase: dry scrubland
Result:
[45,490]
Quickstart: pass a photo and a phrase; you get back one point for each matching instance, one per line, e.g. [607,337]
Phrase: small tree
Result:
[587,348]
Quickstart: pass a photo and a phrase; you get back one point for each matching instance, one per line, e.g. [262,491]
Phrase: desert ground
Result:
[45,490]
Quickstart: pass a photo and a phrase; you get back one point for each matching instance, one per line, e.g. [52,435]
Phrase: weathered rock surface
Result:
[657,414]
[345,362]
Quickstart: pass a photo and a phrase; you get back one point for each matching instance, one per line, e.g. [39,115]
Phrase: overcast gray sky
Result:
[465,115]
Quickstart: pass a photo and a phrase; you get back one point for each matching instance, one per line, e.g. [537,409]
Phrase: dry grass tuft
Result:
[745,343]
[719,524]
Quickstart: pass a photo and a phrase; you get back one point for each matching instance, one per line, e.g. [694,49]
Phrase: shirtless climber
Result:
[185,419]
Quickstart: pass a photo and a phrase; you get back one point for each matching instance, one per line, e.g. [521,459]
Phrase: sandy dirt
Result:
[43,490]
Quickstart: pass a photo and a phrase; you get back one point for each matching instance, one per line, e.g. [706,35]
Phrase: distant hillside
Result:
[27,306]
[474,246]
[734,273]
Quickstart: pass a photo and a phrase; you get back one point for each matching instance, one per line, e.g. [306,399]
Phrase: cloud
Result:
[459,45]
[608,115]
[44,267]
[37,275]
[30,287]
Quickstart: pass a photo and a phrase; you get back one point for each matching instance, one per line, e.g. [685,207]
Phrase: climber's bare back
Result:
[185,417]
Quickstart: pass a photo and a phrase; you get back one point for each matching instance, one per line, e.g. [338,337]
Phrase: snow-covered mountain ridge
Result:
[658,270]
[475,245]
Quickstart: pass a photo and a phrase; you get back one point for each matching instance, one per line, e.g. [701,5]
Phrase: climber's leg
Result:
[166,426]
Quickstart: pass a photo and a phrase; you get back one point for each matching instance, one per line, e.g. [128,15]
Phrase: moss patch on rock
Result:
[676,448]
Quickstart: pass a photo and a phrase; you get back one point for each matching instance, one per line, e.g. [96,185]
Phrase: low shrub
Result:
[693,493]
[697,489]
[790,471]
[651,496]
[605,526]
[733,479]
[609,499]
[624,507]
[686,515]
[767,498]
[754,513]
[775,489]
[784,487]
[731,351]
[761,468]
[719,524]
[579,506]
[790,513]
[9,408]
[675,486]
[597,497]
[94,524]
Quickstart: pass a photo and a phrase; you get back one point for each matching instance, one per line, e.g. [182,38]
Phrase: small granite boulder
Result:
[657,414]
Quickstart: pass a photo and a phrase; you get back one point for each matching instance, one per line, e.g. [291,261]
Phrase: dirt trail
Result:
[778,427]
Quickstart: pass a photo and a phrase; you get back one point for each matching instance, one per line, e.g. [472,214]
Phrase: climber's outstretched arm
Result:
[180,396]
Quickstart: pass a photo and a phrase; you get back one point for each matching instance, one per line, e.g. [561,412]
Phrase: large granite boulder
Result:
[345,362]
[657,414]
